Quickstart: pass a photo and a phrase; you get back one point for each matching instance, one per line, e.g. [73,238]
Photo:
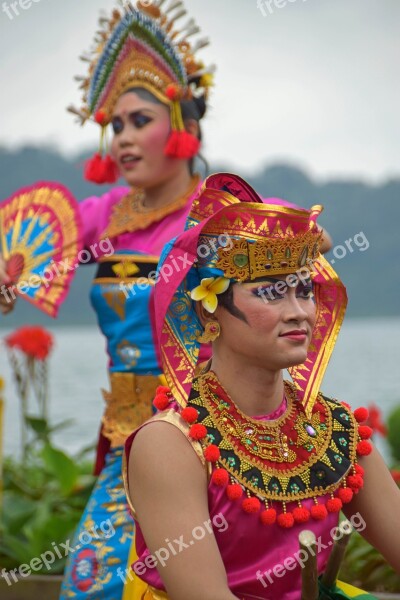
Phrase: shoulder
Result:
[164,436]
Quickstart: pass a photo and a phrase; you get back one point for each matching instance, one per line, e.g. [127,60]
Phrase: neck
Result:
[168,191]
[254,390]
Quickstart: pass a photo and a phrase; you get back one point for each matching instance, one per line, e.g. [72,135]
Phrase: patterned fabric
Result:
[92,569]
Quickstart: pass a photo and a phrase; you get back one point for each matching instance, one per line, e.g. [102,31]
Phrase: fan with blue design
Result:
[41,237]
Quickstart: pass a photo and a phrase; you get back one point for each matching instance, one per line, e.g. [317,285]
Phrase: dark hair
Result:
[195,109]
[226,300]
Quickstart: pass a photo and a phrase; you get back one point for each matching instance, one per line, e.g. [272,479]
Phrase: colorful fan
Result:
[41,237]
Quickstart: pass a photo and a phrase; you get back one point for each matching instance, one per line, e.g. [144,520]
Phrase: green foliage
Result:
[393,437]
[365,568]
[43,500]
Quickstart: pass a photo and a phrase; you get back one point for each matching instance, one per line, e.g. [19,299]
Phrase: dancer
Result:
[238,461]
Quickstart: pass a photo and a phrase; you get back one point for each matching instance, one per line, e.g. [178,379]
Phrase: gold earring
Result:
[211,332]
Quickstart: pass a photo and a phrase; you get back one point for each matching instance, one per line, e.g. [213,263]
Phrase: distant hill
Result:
[354,211]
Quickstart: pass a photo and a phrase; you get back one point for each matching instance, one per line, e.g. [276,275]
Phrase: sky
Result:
[314,83]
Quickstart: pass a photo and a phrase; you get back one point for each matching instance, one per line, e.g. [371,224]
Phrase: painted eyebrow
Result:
[134,113]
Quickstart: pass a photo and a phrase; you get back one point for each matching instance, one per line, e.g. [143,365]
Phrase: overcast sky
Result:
[314,82]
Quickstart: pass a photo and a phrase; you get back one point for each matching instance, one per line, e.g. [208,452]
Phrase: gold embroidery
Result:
[130,214]
[129,404]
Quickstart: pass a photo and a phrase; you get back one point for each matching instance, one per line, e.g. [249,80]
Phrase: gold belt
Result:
[128,405]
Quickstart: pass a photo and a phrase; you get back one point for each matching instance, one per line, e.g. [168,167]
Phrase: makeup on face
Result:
[276,288]
[137,119]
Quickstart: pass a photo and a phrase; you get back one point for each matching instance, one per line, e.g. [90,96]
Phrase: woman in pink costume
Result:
[239,461]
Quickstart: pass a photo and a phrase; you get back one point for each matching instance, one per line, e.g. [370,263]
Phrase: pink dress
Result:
[261,561]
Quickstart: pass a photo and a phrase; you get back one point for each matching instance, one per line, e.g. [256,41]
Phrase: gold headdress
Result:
[143,47]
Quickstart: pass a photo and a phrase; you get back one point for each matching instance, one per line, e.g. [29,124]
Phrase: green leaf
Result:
[61,466]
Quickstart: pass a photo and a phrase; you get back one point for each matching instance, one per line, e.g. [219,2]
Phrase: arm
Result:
[169,491]
[379,505]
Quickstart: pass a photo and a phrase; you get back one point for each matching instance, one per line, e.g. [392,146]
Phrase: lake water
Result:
[365,368]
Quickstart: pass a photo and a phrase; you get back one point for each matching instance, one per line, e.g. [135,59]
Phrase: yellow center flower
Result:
[207,291]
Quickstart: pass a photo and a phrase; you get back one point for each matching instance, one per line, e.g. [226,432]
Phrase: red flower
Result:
[375,420]
[34,341]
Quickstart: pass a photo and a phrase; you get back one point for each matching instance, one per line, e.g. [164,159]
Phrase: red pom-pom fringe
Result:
[359,470]
[319,512]
[355,482]
[301,514]
[364,448]
[364,432]
[251,505]
[361,414]
[197,431]
[268,516]
[163,389]
[101,170]
[182,144]
[161,402]
[190,414]
[220,477]
[334,505]
[234,491]
[212,453]
[345,495]
[285,520]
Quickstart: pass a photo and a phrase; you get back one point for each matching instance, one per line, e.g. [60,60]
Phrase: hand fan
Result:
[41,237]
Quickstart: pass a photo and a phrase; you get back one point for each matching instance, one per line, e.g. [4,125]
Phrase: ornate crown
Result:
[142,47]
[246,260]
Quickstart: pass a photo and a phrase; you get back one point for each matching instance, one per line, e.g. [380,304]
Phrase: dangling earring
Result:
[211,332]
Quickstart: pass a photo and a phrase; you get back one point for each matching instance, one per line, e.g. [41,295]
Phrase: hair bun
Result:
[201,105]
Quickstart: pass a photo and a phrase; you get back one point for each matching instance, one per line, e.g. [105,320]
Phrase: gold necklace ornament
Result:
[273,466]
[130,214]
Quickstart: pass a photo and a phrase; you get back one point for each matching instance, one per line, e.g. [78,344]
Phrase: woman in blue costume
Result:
[144,80]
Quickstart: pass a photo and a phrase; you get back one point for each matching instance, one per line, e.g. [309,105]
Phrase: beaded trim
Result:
[290,459]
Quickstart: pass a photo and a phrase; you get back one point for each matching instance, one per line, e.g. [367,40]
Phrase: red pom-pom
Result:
[212,453]
[364,432]
[220,477]
[301,514]
[361,414]
[173,92]
[163,389]
[334,505]
[100,117]
[251,505]
[268,516]
[190,414]
[345,495]
[234,491]
[286,520]
[197,431]
[161,402]
[359,470]
[182,144]
[364,448]
[346,405]
[101,170]
[319,512]
[355,482]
